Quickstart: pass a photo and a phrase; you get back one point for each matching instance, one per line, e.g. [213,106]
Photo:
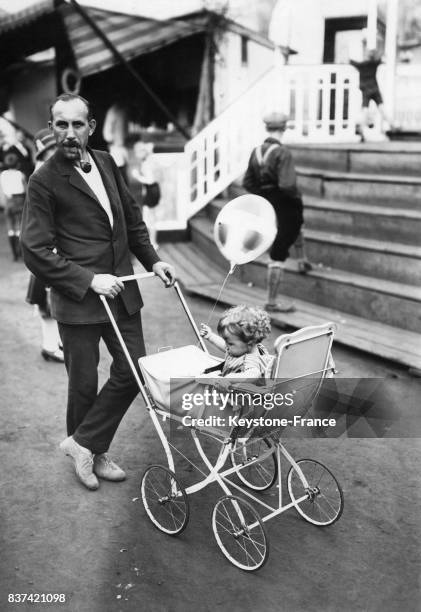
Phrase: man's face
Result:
[71,127]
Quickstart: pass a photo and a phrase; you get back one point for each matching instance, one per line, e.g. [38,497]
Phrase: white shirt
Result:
[12,182]
[94,180]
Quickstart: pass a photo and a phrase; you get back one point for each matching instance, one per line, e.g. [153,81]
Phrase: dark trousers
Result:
[289,216]
[92,417]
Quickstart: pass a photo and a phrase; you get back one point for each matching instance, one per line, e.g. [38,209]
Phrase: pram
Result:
[254,448]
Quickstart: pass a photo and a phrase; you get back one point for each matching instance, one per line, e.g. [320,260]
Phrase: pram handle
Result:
[146,275]
[140,276]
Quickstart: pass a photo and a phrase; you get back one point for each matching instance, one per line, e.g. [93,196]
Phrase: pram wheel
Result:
[325,500]
[260,475]
[240,533]
[165,500]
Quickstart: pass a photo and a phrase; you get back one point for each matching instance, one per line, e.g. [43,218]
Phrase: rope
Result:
[230,271]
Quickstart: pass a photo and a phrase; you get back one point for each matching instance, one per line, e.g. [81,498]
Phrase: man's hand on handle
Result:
[166,273]
[110,285]
[107,284]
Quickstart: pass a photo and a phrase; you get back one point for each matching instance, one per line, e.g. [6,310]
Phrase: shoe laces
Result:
[84,465]
[87,460]
[104,458]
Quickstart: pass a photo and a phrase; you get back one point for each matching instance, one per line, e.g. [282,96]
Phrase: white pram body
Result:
[303,359]
[170,374]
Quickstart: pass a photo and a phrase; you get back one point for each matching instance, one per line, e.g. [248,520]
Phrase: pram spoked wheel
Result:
[240,533]
[165,500]
[325,500]
[260,475]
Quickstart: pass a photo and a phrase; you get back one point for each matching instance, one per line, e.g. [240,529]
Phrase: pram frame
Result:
[228,447]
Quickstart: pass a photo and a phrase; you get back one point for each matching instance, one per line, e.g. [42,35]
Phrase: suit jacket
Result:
[67,237]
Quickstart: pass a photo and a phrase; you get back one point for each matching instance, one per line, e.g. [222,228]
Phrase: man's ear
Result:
[92,126]
[50,125]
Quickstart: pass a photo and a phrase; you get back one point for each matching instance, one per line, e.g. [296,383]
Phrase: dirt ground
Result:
[100,549]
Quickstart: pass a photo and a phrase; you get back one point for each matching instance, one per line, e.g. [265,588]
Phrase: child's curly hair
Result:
[250,324]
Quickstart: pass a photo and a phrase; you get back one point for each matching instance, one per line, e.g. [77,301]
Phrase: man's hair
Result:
[67,97]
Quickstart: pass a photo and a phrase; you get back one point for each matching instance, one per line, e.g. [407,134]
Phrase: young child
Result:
[241,330]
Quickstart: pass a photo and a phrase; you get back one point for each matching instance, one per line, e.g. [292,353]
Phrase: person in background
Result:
[114,132]
[370,89]
[38,294]
[146,175]
[3,147]
[22,151]
[271,174]
[13,186]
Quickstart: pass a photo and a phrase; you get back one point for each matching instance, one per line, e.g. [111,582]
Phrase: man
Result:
[271,174]
[79,225]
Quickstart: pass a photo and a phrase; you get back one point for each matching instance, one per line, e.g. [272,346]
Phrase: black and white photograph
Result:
[210,305]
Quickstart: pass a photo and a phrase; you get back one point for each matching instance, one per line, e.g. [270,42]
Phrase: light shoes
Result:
[105,468]
[88,467]
[83,460]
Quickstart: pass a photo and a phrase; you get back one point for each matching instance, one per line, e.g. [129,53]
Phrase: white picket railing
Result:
[321,101]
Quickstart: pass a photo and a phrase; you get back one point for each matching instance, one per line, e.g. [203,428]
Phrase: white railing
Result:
[321,101]
[408,96]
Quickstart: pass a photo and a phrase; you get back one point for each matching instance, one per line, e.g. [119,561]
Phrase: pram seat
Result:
[303,359]
[172,373]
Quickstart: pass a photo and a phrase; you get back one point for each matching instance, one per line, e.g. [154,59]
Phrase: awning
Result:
[34,28]
[132,36]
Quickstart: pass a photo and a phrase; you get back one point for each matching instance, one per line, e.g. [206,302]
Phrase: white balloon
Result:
[245,228]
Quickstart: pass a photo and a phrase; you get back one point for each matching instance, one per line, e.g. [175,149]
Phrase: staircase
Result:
[362,230]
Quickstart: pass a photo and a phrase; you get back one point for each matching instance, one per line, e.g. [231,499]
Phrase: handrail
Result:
[323,105]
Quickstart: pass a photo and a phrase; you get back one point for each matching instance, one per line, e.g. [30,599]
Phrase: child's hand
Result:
[205,331]
[222,384]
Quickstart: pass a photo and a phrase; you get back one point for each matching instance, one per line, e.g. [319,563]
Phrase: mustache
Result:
[71,143]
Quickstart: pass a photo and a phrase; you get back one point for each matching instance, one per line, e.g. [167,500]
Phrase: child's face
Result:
[235,346]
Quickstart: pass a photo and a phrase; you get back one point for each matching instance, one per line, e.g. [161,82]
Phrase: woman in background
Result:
[146,175]
[38,293]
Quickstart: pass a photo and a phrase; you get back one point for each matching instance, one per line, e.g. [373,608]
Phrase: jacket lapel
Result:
[66,168]
[77,181]
[107,175]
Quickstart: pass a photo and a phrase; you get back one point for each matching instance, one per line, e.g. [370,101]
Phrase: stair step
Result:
[389,190]
[403,159]
[352,218]
[387,260]
[385,301]
[187,255]
[385,341]
[364,220]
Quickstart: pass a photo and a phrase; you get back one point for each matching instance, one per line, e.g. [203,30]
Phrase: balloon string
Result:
[230,271]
